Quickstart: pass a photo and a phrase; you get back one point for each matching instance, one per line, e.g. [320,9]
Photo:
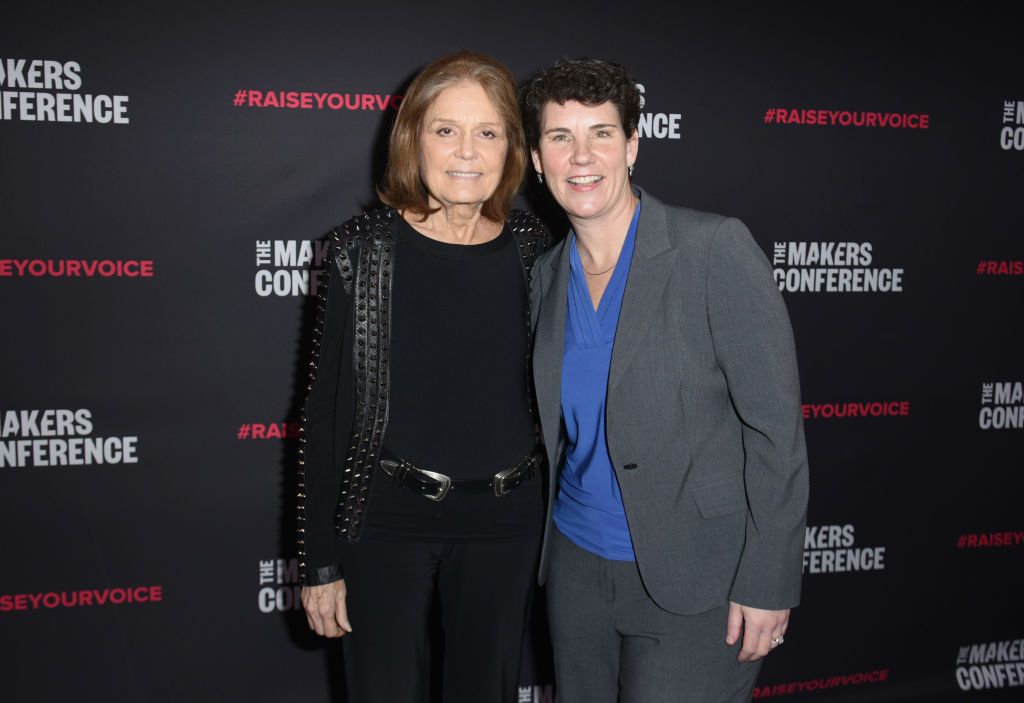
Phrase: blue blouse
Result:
[588,508]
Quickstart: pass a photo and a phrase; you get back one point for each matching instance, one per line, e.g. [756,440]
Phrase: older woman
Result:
[667,389]
[418,454]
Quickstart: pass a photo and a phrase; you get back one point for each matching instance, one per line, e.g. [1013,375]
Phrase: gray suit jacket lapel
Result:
[547,354]
[653,259]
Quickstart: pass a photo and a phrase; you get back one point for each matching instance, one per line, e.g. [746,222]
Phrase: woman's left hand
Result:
[763,630]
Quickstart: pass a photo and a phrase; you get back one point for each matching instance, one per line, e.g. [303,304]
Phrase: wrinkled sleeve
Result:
[753,343]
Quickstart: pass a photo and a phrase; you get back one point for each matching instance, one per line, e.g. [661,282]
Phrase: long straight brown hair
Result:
[403,188]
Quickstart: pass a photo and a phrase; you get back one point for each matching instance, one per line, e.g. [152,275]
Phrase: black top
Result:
[459,403]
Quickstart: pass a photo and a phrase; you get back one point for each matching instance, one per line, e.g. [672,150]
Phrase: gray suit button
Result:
[629,467]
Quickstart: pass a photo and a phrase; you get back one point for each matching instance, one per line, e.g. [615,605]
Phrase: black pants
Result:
[483,588]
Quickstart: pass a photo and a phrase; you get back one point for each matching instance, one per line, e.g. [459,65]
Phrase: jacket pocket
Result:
[721,495]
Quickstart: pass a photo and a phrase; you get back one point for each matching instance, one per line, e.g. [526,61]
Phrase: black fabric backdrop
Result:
[205,368]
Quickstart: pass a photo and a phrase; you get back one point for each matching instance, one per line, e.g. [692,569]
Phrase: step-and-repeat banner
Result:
[168,175]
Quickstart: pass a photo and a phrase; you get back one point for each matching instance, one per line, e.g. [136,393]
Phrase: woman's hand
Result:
[325,609]
[763,630]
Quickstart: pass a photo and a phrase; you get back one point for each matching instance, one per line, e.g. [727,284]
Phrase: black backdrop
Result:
[155,247]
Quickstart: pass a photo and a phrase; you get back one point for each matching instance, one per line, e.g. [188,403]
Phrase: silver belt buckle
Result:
[499,479]
[396,470]
[442,491]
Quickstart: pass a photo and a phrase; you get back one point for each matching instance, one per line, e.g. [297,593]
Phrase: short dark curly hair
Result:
[584,80]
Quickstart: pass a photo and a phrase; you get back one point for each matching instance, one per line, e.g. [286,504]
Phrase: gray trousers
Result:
[613,643]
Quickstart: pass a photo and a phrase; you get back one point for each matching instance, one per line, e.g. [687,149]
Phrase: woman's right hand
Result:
[325,609]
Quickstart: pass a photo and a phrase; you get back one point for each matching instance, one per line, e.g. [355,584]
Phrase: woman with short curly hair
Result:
[668,395]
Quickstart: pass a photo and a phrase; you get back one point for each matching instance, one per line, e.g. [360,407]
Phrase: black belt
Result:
[435,486]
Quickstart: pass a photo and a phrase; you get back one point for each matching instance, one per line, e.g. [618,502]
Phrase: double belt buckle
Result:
[503,483]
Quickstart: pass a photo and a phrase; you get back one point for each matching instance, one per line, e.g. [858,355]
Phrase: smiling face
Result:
[462,147]
[585,156]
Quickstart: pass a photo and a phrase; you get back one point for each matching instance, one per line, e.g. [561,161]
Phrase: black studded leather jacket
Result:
[346,410]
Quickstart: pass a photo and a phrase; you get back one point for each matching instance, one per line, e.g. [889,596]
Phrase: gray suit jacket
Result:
[704,423]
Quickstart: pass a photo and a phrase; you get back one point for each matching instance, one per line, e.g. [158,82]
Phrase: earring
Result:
[540,177]
[630,171]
